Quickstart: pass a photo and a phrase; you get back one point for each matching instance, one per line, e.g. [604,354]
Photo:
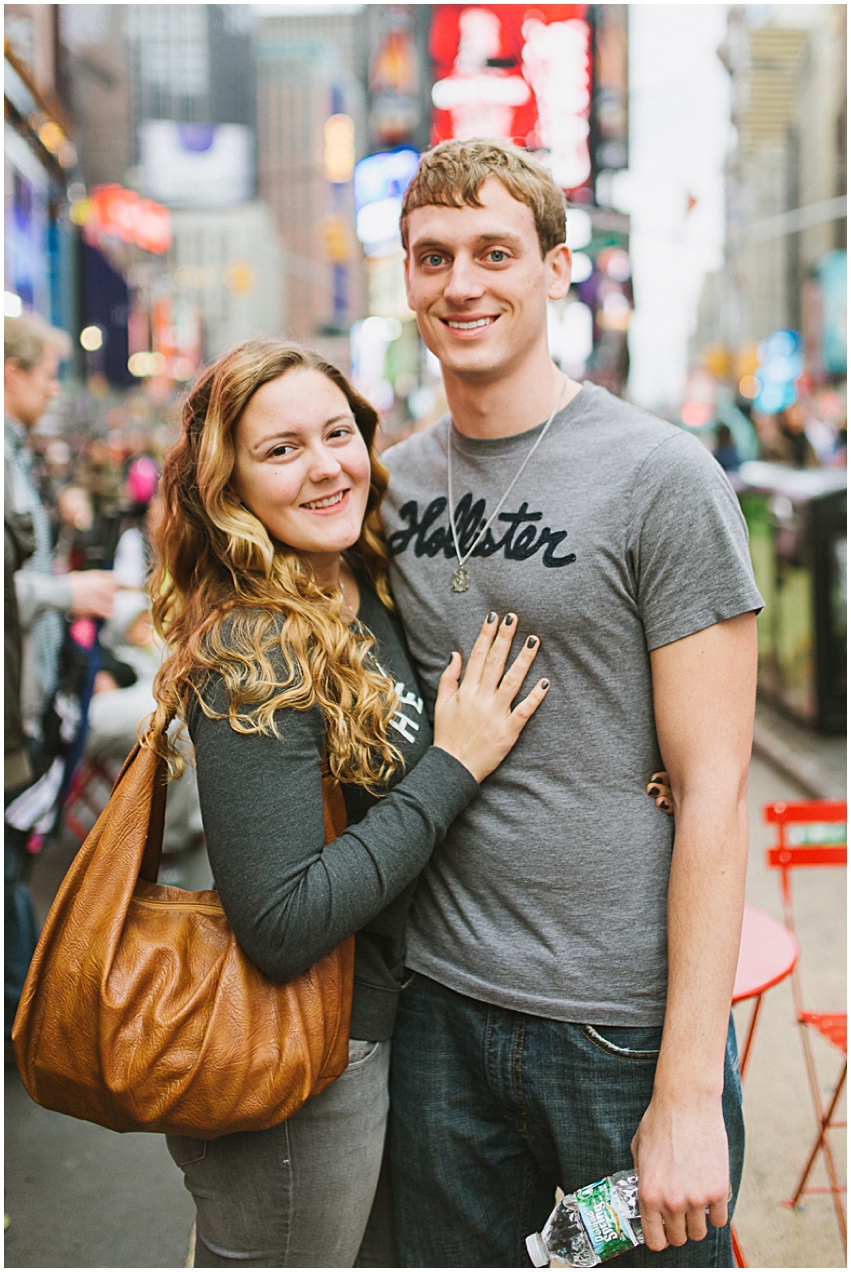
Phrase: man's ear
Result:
[558,263]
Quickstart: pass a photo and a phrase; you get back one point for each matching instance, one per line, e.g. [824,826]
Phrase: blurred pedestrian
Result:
[133,553]
[119,710]
[284,650]
[32,352]
[725,449]
[19,919]
[798,449]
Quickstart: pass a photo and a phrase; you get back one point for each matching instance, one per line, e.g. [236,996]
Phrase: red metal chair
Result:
[767,954]
[832,1026]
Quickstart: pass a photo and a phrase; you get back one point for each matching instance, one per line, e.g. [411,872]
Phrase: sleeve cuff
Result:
[442,784]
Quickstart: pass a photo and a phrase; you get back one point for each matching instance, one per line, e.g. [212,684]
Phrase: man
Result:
[573,953]
[32,351]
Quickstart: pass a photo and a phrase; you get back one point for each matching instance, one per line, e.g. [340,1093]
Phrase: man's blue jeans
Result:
[491,1110]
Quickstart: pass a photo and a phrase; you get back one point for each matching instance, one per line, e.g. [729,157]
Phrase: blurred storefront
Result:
[40,162]
[785,266]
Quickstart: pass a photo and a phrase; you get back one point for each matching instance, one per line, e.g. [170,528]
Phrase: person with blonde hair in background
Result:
[31,356]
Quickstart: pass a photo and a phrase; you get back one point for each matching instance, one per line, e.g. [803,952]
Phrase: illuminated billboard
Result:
[519,72]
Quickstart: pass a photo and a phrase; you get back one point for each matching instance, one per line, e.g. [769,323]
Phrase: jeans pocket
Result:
[185,1149]
[360,1053]
[627,1042]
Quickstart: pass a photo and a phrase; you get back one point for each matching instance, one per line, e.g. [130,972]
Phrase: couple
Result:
[553,959]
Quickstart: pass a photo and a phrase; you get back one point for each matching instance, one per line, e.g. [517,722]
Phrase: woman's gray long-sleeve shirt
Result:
[290,897]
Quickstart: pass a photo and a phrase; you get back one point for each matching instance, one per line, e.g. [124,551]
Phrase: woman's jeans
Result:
[491,1110]
[299,1194]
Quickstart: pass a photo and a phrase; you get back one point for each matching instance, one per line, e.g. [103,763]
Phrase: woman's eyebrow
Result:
[283,435]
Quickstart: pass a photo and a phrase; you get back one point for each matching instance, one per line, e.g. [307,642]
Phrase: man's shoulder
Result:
[614,415]
[419,448]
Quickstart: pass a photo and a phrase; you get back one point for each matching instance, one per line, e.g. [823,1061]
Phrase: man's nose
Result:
[463,283]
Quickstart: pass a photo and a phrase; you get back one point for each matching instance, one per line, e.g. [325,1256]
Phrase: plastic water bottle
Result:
[591,1225]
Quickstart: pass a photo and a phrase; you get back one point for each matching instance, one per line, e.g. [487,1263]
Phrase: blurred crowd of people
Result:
[811,433]
[80,650]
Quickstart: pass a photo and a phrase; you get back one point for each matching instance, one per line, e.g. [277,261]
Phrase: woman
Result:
[282,648]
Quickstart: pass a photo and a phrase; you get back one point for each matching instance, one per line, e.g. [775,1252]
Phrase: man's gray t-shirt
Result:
[623,534]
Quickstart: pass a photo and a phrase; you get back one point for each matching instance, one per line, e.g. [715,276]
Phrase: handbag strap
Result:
[150,867]
[333,803]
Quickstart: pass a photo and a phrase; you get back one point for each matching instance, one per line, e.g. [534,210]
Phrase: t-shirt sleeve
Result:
[289,897]
[687,544]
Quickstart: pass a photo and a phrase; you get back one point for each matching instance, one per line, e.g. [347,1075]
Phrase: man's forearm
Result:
[705,901]
[703,691]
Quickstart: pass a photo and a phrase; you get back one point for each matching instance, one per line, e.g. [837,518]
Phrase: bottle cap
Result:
[538,1252]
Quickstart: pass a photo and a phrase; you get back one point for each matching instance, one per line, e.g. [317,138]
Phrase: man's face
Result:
[478,285]
[29,393]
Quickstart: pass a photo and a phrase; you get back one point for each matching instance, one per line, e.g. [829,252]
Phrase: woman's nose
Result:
[323,463]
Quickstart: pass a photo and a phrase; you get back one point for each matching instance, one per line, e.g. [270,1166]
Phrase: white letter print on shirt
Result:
[400,722]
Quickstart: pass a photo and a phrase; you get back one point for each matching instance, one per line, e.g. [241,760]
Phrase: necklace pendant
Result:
[460,580]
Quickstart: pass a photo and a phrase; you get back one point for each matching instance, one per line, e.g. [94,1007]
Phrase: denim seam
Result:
[517,1074]
[488,1066]
[616,1053]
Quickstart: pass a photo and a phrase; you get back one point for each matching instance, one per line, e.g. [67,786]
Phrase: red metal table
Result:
[767,955]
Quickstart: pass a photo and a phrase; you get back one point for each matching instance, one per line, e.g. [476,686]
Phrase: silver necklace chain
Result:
[461,577]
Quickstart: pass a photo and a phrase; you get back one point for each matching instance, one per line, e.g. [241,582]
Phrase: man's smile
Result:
[475,322]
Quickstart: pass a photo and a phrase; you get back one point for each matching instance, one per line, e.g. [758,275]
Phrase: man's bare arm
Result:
[703,690]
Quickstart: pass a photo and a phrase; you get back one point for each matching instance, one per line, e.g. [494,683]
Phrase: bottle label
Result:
[604,1220]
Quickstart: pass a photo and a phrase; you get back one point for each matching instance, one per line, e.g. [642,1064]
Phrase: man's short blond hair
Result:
[453,172]
[25,339]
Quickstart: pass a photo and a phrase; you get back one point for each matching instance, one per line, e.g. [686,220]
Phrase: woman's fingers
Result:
[524,710]
[481,649]
[659,789]
[519,669]
[499,651]
[448,683]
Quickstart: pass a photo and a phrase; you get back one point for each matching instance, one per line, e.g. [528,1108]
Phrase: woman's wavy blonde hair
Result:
[225,594]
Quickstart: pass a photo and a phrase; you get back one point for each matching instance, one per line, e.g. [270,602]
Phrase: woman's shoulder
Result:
[244,651]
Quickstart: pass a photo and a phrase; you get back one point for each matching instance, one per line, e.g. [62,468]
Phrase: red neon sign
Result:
[518,72]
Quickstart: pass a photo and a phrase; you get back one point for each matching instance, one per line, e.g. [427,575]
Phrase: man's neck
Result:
[509,403]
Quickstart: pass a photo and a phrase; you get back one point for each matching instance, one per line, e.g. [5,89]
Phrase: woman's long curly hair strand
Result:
[225,594]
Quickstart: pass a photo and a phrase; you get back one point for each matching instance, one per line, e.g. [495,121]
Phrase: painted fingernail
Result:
[491,618]
[545,684]
[531,642]
[509,620]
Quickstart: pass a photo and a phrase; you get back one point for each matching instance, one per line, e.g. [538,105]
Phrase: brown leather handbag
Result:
[140,1011]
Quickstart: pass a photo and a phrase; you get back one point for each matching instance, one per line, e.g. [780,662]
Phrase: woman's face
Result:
[302,466]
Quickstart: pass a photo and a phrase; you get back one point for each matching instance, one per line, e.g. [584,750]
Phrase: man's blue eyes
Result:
[496,256]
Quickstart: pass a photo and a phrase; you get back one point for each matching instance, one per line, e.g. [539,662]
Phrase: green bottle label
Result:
[607,1226]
